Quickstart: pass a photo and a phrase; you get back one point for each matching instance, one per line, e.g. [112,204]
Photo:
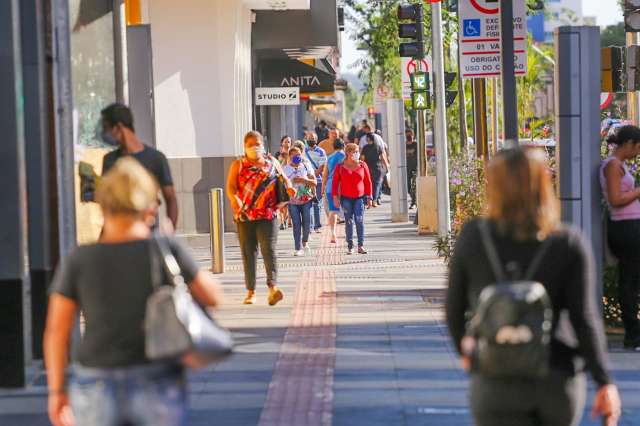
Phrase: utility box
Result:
[577,90]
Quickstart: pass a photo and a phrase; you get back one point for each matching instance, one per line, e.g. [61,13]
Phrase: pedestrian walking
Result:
[377,162]
[327,144]
[318,159]
[526,368]
[351,188]
[283,157]
[252,192]
[623,225]
[378,139]
[322,131]
[117,130]
[304,183]
[412,165]
[333,210]
[112,381]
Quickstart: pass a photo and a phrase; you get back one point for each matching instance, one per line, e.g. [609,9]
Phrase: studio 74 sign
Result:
[480,38]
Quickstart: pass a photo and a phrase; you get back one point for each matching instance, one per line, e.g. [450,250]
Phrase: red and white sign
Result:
[407,67]
[480,38]
[606,99]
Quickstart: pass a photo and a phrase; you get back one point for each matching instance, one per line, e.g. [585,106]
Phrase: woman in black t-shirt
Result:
[113,382]
[522,213]
[376,160]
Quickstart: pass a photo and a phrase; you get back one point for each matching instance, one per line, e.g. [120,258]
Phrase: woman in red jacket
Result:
[351,189]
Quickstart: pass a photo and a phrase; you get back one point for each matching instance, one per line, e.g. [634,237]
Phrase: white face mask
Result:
[254,152]
[356,156]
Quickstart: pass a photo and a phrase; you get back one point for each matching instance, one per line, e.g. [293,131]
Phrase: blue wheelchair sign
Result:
[471,27]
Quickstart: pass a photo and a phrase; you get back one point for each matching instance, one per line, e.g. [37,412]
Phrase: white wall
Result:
[202,73]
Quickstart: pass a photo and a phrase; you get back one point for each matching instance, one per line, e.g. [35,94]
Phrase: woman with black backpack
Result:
[529,286]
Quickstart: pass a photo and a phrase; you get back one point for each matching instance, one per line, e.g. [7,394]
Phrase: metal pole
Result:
[632,96]
[63,109]
[119,51]
[480,117]
[398,159]
[422,137]
[216,217]
[509,95]
[494,115]
[440,121]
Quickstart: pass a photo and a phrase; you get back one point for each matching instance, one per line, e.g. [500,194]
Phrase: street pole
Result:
[480,118]
[422,137]
[440,122]
[494,114]
[509,95]
[632,96]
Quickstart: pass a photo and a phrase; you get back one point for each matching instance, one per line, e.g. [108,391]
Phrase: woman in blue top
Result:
[332,162]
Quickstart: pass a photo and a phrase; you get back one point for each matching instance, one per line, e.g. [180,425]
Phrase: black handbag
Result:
[281,185]
[176,326]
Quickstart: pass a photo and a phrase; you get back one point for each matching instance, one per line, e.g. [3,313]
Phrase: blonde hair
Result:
[127,188]
[520,196]
[351,147]
[298,144]
[253,134]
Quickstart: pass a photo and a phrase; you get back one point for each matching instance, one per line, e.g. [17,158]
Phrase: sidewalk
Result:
[358,340]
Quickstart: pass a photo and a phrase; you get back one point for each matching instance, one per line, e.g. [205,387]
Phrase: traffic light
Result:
[420,86]
[632,16]
[412,30]
[612,70]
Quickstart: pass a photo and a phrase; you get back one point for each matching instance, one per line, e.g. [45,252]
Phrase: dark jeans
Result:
[557,400]
[301,218]
[624,241]
[411,184]
[377,177]
[317,208]
[147,395]
[353,211]
[250,234]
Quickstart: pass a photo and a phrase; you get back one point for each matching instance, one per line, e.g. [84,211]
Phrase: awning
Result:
[287,73]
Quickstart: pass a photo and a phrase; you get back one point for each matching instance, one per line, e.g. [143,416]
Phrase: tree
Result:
[613,35]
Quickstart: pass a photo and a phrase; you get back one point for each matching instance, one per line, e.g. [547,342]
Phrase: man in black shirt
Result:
[118,131]
[412,165]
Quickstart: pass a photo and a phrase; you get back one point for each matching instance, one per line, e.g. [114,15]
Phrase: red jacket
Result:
[352,183]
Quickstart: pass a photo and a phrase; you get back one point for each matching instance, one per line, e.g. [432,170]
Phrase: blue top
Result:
[318,158]
[332,162]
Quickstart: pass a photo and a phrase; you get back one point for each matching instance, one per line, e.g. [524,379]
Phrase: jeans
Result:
[301,218]
[624,241]
[317,208]
[556,400]
[411,184]
[377,177]
[353,210]
[146,395]
[250,234]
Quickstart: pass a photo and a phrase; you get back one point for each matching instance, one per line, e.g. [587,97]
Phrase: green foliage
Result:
[467,186]
[610,302]
[535,80]
[613,35]
[443,246]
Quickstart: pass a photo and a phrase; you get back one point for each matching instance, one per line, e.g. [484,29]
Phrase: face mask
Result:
[297,159]
[356,156]
[254,152]
[311,143]
[107,137]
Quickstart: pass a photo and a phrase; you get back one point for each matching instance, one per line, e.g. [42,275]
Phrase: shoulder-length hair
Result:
[520,195]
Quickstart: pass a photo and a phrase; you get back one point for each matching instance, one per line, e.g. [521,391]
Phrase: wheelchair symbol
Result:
[471,27]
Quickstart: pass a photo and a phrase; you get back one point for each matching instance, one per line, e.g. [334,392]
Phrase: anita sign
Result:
[288,73]
[303,80]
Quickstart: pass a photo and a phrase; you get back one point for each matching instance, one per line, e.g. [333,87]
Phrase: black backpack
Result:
[512,322]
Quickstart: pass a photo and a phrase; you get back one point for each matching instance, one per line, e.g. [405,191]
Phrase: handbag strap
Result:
[169,261]
[313,163]
[494,258]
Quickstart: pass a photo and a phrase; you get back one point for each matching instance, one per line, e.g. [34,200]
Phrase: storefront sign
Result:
[291,73]
[277,96]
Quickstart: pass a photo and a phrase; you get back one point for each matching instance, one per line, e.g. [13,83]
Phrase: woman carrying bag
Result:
[114,381]
[255,190]
[300,205]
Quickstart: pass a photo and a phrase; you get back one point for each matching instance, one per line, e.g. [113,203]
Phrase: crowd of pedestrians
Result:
[521,303]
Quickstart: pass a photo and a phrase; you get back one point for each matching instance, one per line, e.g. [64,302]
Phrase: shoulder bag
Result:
[176,326]
[281,183]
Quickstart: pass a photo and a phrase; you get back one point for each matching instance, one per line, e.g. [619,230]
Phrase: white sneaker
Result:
[306,248]
[298,253]
[350,251]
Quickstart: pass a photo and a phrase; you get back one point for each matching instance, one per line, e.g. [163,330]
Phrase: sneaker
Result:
[361,250]
[334,240]
[251,298]
[306,248]
[318,231]
[275,295]
[283,227]
[350,251]
[298,253]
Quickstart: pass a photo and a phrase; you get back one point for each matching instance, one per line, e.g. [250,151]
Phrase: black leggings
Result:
[624,241]
[250,234]
[556,400]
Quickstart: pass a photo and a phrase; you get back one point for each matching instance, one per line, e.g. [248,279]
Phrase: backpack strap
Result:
[537,260]
[490,249]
